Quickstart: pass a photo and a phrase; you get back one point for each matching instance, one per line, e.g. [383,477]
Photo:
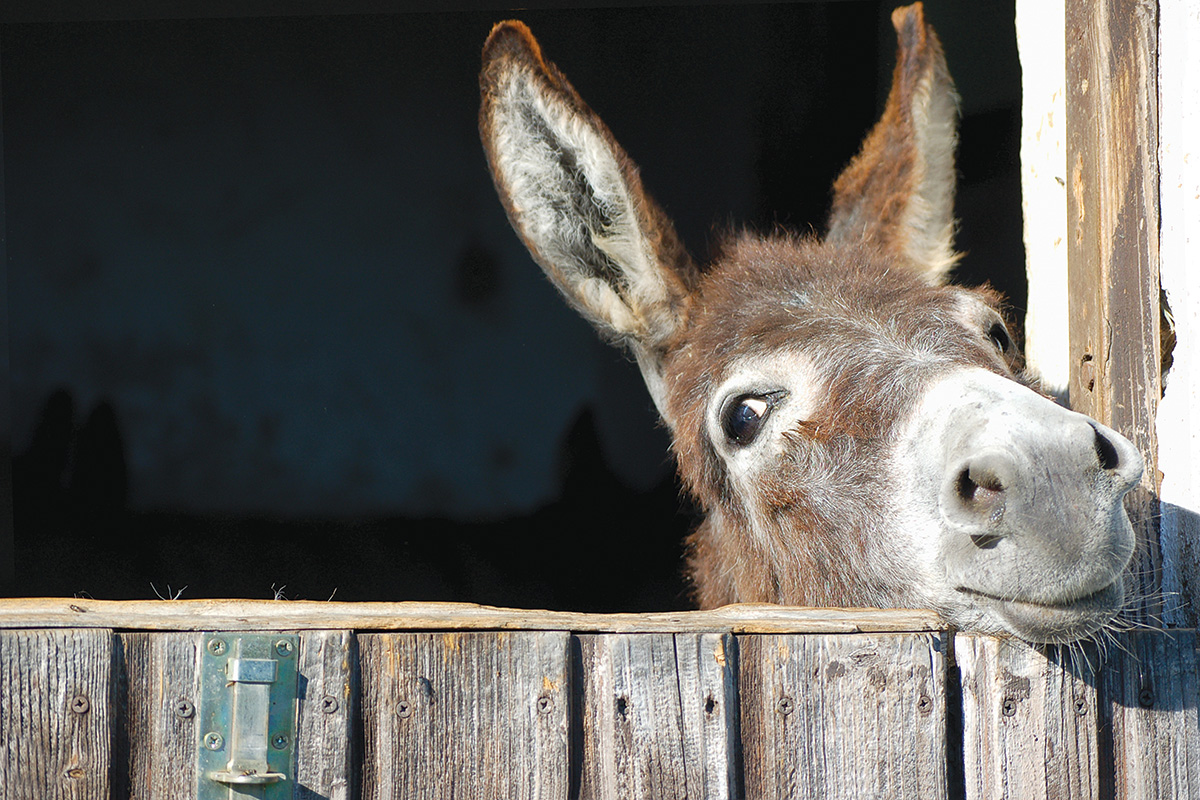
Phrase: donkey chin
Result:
[1025,499]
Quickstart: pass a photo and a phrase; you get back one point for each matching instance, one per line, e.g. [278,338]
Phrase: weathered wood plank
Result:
[328,708]
[658,716]
[1112,248]
[248,615]
[1029,721]
[843,716]
[1151,691]
[465,715]
[160,688]
[55,714]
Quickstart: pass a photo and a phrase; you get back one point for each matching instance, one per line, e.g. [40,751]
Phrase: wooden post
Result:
[1112,246]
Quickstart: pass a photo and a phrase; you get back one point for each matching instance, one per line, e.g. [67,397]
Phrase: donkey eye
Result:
[743,417]
[999,336]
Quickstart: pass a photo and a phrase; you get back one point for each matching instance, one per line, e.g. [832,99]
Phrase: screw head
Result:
[214,741]
[786,705]
[545,704]
[1146,697]
[1008,707]
[329,704]
[1081,706]
[403,709]
[216,647]
[284,647]
[184,708]
[80,705]
[924,704]
[279,741]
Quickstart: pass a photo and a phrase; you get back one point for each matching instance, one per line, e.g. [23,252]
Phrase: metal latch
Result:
[247,716]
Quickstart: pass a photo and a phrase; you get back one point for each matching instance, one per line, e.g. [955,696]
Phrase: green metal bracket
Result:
[246,739]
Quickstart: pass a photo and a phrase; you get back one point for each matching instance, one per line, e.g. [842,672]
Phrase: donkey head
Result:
[858,432]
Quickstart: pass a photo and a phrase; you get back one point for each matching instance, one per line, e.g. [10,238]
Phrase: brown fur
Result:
[859,319]
[871,198]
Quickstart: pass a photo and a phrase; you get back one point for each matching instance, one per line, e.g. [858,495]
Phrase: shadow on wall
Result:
[600,547]
[272,244]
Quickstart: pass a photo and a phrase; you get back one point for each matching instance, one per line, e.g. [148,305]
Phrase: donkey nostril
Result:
[1106,452]
[977,483]
[966,487]
[982,493]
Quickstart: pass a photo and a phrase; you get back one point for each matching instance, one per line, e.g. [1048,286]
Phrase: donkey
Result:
[856,430]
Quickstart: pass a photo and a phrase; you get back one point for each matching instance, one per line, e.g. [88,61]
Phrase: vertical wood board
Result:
[160,688]
[1029,721]
[1151,690]
[160,692]
[1113,238]
[843,716]
[449,715]
[55,714]
[328,707]
[658,716]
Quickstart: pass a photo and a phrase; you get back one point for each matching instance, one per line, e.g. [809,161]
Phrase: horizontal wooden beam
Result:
[247,615]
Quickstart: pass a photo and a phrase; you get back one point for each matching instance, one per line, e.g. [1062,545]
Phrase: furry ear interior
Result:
[576,200]
[899,190]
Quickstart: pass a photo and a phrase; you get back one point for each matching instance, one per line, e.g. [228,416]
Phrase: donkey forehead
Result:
[848,312]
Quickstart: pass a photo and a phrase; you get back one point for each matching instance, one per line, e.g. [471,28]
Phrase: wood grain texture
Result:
[55,714]
[1029,721]
[159,686]
[658,716]
[160,689]
[1112,251]
[249,615]
[1151,690]
[328,708]
[455,715]
[843,716]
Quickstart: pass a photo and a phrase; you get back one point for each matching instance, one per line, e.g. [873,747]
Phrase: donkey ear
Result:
[898,192]
[576,200]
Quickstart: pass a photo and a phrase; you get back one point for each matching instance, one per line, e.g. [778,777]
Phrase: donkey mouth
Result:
[1055,622]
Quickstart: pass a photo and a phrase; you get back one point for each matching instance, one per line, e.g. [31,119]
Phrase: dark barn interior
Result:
[270,334]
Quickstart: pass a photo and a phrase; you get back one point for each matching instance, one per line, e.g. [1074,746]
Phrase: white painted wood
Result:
[249,615]
[1042,51]
[1179,412]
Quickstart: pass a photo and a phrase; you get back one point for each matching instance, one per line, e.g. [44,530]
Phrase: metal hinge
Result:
[246,739]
